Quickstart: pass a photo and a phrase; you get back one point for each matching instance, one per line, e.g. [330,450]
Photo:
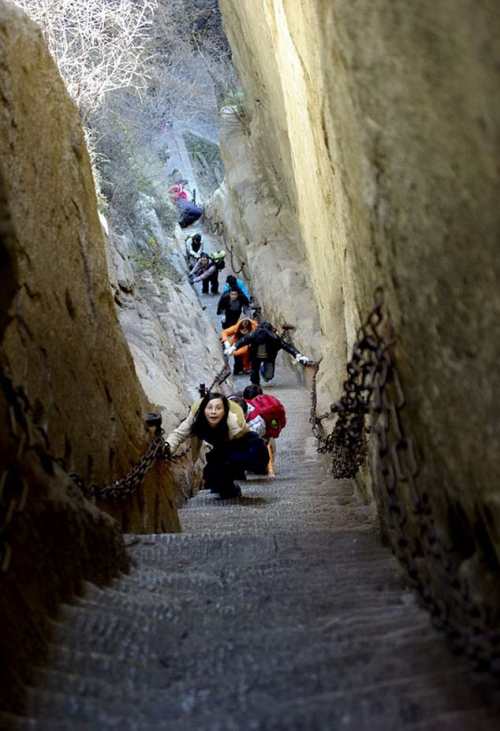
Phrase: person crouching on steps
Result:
[235,448]
[205,271]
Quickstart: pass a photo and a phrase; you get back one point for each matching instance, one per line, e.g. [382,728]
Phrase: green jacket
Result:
[236,425]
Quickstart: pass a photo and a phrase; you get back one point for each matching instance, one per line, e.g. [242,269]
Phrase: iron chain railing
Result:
[14,488]
[158,449]
[373,386]
[217,228]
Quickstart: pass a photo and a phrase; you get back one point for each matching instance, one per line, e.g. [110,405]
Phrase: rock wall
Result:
[70,399]
[370,138]
[63,346]
[51,540]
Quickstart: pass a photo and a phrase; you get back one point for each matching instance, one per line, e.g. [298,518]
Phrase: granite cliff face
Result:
[368,154]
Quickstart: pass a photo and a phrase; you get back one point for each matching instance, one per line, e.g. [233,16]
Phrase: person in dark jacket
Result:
[264,345]
[232,282]
[231,306]
[189,213]
[235,448]
[206,272]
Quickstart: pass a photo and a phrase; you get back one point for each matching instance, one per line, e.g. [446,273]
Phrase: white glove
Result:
[301,359]
[226,347]
[231,350]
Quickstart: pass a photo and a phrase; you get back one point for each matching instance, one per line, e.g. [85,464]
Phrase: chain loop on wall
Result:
[217,228]
[14,488]
[374,386]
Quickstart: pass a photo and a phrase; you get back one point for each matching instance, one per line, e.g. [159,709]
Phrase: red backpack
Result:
[272,411]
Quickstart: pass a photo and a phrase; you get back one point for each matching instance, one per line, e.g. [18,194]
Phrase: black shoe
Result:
[230,491]
[239,475]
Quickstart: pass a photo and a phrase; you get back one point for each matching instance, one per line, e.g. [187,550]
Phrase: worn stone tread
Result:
[279,611]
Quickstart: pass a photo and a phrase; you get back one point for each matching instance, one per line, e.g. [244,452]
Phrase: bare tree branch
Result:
[98,45]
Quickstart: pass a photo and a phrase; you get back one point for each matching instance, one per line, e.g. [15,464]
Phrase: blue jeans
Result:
[258,367]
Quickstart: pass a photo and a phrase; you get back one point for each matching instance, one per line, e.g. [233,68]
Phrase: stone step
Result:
[401,614]
[279,611]
[380,705]
[404,646]
[476,719]
[100,633]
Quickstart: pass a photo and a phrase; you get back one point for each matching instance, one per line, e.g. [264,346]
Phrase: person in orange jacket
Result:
[231,335]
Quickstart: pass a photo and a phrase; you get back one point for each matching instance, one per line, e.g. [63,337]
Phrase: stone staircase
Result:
[279,611]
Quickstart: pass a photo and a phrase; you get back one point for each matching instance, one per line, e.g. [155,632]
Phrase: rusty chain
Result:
[347,442]
[217,228]
[13,488]
[158,449]
[129,484]
[222,375]
[373,385]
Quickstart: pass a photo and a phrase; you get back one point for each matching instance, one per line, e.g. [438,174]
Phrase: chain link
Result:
[13,488]
[158,449]
[221,376]
[347,442]
[217,228]
[432,568]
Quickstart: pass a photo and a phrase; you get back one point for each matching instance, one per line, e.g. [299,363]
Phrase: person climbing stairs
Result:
[280,610]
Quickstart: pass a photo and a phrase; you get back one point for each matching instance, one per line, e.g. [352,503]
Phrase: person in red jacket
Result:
[176,191]
[265,415]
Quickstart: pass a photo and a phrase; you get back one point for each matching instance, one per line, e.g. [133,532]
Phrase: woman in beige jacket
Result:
[235,448]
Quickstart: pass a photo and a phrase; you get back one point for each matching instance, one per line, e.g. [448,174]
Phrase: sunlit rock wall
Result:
[63,346]
[372,128]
